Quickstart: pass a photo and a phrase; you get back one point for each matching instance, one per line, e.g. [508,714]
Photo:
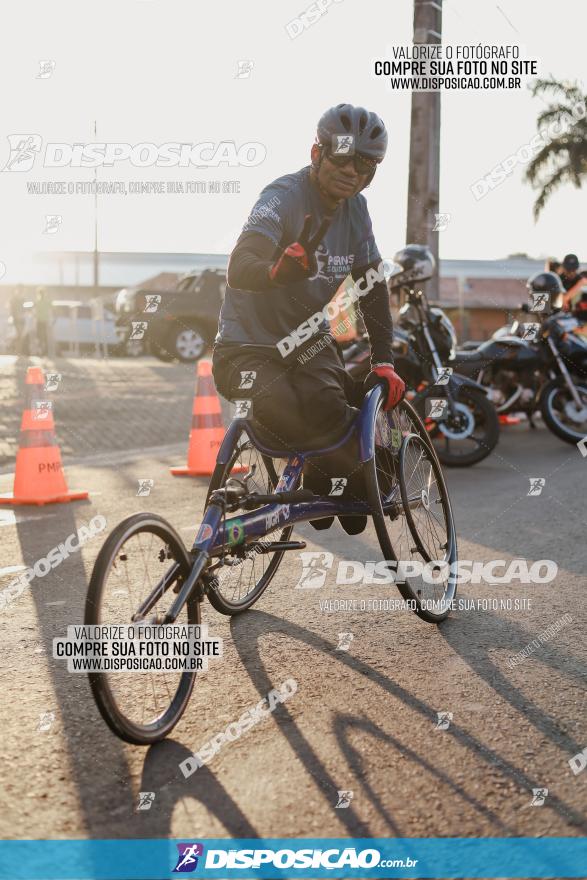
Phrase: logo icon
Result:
[187,859]
[344,641]
[52,223]
[539,302]
[344,799]
[145,487]
[236,533]
[46,68]
[204,532]
[441,222]
[578,762]
[337,485]
[539,796]
[315,565]
[436,408]
[322,261]
[23,151]
[139,328]
[152,302]
[530,331]
[243,409]
[146,799]
[443,722]
[42,409]
[244,69]
[537,484]
[444,375]
[46,719]
[52,381]
[247,378]
[343,144]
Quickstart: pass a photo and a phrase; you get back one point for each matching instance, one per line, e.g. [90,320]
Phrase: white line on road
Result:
[121,457]
[9,518]
[11,569]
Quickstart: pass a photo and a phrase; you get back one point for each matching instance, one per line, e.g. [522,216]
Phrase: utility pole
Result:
[424,176]
[95,255]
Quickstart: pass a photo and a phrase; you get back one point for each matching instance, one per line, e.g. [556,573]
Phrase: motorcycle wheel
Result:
[473,445]
[557,392]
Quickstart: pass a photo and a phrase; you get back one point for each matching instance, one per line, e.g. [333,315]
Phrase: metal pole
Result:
[424,175]
[96,265]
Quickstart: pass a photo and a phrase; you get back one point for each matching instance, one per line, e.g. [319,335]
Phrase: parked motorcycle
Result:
[424,340]
[544,368]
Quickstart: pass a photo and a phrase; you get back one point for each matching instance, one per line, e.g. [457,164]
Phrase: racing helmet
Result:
[413,263]
[549,283]
[545,282]
[571,263]
[367,129]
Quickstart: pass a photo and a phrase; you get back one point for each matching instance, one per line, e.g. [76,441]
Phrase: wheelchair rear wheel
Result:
[243,573]
[411,512]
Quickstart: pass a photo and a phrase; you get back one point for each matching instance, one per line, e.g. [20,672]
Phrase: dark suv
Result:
[179,323]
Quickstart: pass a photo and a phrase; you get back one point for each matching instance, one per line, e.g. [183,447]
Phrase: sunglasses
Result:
[362,164]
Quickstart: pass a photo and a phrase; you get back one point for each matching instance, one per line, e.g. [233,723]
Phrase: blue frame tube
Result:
[212,536]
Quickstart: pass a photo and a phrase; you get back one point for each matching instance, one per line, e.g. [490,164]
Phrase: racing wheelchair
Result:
[144,574]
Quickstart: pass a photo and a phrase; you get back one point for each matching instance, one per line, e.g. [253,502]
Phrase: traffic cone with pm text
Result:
[39,477]
[207,431]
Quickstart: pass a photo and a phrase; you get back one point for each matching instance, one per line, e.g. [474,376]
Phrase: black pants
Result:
[302,402]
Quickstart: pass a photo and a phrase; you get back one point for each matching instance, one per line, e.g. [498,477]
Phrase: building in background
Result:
[479,295]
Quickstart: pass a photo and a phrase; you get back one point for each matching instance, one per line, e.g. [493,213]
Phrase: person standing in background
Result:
[42,321]
[569,272]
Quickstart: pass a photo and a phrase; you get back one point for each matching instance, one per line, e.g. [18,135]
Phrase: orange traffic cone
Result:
[39,477]
[207,430]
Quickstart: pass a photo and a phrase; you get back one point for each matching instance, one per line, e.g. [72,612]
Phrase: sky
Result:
[166,70]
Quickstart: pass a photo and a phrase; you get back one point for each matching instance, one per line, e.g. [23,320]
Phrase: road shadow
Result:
[345,725]
[161,774]
[247,632]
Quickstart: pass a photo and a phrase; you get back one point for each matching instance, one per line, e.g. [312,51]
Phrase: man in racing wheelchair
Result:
[307,232]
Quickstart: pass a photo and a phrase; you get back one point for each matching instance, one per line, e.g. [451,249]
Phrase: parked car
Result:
[73,323]
[175,324]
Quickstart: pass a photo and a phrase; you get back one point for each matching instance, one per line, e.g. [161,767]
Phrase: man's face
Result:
[340,182]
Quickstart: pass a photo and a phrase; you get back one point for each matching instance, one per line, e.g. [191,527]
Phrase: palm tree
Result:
[563,158]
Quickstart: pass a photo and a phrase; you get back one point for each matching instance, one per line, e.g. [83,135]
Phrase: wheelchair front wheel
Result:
[141,554]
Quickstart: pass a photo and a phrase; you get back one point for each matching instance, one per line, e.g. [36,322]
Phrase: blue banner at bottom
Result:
[417,857]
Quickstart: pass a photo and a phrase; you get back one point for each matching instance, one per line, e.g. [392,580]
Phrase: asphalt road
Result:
[363,720]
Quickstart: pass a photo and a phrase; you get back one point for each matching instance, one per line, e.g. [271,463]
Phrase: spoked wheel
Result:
[411,511]
[469,434]
[560,411]
[243,573]
[141,557]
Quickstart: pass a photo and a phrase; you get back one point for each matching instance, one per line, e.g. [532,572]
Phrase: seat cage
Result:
[217,534]
[364,425]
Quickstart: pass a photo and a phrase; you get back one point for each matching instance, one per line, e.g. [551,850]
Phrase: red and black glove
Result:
[396,387]
[298,261]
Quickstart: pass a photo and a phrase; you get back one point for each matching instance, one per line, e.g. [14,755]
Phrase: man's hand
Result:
[298,261]
[396,387]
